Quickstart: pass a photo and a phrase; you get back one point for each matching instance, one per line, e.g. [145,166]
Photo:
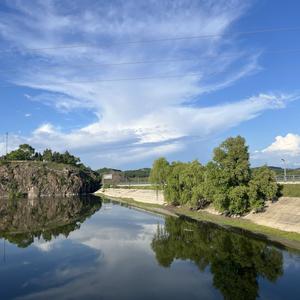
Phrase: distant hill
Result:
[107,170]
[129,174]
[280,171]
[142,173]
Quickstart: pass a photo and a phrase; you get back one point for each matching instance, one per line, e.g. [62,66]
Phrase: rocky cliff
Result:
[36,179]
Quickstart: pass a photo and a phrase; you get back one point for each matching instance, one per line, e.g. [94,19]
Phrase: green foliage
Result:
[27,153]
[173,187]
[159,172]
[226,181]
[262,187]
[232,157]
[229,169]
[238,200]
[184,184]
[139,173]
[216,186]
[64,158]
[47,155]
[24,152]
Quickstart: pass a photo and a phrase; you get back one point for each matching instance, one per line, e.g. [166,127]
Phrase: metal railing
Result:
[288,178]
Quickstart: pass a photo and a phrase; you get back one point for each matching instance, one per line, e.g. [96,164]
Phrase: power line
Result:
[162,76]
[164,60]
[179,38]
[117,79]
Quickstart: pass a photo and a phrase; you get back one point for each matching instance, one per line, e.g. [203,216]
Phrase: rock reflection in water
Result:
[22,220]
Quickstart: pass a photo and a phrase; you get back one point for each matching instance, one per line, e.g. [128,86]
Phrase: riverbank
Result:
[149,196]
[290,239]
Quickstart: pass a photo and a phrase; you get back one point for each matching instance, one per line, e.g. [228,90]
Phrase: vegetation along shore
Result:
[237,195]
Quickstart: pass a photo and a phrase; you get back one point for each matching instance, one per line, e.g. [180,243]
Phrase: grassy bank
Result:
[290,190]
[288,239]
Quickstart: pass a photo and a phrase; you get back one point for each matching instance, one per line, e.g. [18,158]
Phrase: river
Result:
[73,248]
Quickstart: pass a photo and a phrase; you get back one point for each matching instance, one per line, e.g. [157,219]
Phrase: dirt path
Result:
[283,214]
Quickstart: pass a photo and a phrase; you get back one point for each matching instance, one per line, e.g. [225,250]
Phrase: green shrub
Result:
[262,187]
[238,200]
[198,199]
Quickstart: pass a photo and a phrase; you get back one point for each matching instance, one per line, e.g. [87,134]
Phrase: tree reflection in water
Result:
[235,261]
[23,220]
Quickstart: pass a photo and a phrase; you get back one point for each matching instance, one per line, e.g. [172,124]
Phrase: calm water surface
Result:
[85,249]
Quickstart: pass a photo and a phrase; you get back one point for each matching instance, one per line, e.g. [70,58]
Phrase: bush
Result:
[262,187]
[198,199]
[183,183]
[238,200]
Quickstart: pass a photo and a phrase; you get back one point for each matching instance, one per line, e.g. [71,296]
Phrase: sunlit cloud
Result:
[139,119]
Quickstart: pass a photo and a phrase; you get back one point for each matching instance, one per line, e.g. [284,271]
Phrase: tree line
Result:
[28,153]
[227,181]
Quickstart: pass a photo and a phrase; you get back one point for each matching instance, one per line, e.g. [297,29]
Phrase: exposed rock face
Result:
[35,179]
[22,220]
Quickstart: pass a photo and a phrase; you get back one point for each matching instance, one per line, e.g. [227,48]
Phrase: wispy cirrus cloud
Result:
[137,119]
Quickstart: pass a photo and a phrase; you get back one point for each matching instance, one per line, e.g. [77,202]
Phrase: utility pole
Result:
[284,168]
[6,143]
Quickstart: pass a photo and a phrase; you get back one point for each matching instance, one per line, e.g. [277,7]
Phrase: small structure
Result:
[112,178]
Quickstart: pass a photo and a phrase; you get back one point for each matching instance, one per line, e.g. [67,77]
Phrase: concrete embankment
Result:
[283,214]
[139,195]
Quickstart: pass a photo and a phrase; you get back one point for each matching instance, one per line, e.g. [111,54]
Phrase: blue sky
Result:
[57,58]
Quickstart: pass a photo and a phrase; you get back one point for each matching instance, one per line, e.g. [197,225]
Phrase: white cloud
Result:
[285,145]
[137,119]
[153,134]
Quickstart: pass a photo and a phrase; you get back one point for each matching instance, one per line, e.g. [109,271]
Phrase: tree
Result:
[184,184]
[230,168]
[27,150]
[70,159]
[191,183]
[232,157]
[262,187]
[24,152]
[159,172]
[226,181]
[174,183]
[47,155]
[216,186]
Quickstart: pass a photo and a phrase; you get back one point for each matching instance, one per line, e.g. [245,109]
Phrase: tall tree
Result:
[159,172]
[47,155]
[230,168]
